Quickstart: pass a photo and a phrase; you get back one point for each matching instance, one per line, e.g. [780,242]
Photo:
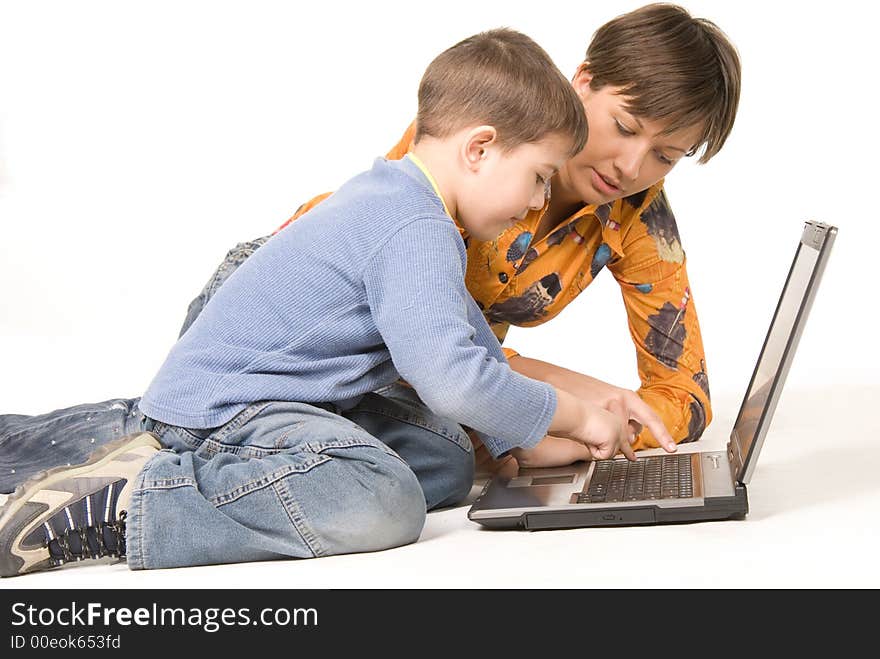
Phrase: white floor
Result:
[814,521]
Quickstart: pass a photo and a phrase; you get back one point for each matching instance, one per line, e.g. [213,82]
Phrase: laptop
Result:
[677,487]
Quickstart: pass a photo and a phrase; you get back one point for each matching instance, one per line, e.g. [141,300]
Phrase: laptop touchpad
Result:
[526,481]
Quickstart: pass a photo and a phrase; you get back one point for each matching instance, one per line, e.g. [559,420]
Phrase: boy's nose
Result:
[537,201]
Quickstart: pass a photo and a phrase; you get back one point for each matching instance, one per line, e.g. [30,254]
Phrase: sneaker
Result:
[73,513]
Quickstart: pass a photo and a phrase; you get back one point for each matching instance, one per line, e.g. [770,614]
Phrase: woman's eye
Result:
[623,130]
[664,159]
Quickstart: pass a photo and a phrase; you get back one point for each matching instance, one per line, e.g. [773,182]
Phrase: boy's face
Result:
[624,154]
[507,184]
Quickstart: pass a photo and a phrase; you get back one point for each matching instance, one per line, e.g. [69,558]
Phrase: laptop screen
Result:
[785,329]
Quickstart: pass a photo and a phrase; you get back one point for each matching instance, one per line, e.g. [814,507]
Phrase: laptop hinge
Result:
[734,457]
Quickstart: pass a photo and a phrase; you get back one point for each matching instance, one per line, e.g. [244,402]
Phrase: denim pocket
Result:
[180,439]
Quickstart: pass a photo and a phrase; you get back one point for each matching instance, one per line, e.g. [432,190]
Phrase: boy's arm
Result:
[441,345]
[415,288]
[485,336]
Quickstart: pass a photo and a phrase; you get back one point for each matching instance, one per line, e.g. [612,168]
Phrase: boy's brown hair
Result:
[672,67]
[500,78]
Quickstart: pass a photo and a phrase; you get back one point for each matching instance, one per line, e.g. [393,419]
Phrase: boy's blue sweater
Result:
[365,288]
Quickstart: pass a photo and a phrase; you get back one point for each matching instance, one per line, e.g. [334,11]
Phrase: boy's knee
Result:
[395,513]
[379,503]
[408,509]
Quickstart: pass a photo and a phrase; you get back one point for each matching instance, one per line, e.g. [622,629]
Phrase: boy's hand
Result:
[605,431]
[559,451]
[625,402]
[638,414]
[602,431]
[592,390]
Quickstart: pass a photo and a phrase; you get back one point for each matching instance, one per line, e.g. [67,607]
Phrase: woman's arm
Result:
[664,329]
[663,324]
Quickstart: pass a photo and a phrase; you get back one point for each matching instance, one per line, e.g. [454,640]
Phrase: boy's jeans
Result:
[281,479]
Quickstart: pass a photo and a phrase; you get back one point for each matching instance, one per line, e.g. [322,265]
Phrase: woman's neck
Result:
[563,204]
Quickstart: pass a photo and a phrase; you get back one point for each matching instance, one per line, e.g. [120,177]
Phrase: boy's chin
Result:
[488,236]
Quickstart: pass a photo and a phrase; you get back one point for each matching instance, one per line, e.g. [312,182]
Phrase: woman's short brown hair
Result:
[504,79]
[672,68]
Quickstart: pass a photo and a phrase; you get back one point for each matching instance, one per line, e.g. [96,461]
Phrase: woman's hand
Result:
[552,452]
[588,389]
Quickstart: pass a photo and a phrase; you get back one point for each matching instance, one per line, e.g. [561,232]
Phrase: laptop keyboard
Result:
[657,477]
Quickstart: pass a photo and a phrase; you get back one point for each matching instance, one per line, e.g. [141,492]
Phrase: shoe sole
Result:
[16,522]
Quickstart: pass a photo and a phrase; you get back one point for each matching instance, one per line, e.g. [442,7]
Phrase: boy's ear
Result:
[582,79]
[476,144]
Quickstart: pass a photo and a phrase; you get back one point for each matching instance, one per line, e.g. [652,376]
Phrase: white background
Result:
[140,141]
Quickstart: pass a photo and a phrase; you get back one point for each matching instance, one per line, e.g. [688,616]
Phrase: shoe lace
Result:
[92,541]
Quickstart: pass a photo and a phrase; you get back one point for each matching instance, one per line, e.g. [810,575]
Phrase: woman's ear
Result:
[581,80]
[475,147]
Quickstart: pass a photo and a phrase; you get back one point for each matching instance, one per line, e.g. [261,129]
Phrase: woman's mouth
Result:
[603,185]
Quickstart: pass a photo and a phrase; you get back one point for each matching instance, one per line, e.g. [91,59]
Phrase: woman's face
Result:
[624,154]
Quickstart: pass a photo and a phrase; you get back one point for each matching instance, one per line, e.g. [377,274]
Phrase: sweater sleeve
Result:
[440,343]
[487,338]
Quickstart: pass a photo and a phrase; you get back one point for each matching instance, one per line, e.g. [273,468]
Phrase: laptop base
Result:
[715,508]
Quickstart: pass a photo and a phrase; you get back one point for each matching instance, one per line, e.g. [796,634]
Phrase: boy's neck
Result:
[439,157]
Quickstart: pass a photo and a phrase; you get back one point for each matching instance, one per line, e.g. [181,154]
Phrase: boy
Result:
[270,406]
